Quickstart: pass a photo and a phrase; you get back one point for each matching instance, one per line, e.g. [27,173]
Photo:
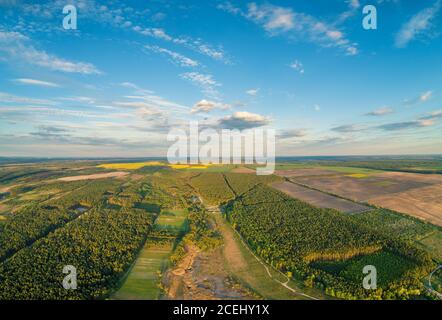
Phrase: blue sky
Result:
[134,70]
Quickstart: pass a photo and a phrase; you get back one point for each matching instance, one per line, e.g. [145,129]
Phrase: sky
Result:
[132,71]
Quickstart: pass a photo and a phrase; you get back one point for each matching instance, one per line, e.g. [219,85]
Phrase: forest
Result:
[300,240]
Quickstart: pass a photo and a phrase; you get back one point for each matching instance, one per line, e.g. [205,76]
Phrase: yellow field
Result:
[187,166]
[130,166]
[358,175]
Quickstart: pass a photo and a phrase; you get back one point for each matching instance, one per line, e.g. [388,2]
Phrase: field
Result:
[147,230]
[424,203]
[94,176]
[143,281]
[172,220]
[320,199]
[410,193]
[164,164]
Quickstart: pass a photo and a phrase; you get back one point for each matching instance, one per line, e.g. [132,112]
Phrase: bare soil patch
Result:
[415,194]
[117,174]
[424,203]
[201,276]
[319,199]
[360,189]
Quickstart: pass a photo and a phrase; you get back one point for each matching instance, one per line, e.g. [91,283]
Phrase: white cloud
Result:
[292,133]
[9,98]
[354,4]
[36,82]
[252,92]
[194,44]
[16,46]
[143,98]
[347,128]
[406,125]
[129,85]
[175,56]
[424,97]
[243,120]
[297,65]
[417,25]
[207,106]
[153,32]
[380,112]
[203,81]
[317,107]
[80,99]
[277,20]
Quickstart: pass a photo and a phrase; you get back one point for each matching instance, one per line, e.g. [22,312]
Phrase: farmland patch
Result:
[143,281]
[424,203]
[117,174]
[319,199]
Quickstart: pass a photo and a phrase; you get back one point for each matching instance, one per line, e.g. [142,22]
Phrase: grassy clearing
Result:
[144,278]
[172,219]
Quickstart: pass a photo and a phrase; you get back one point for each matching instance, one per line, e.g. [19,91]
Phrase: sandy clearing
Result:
[424,203]
[319,199]
[117,174]
[232,252]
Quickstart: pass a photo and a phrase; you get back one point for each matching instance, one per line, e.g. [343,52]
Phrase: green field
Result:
[172,220]
[143,280]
